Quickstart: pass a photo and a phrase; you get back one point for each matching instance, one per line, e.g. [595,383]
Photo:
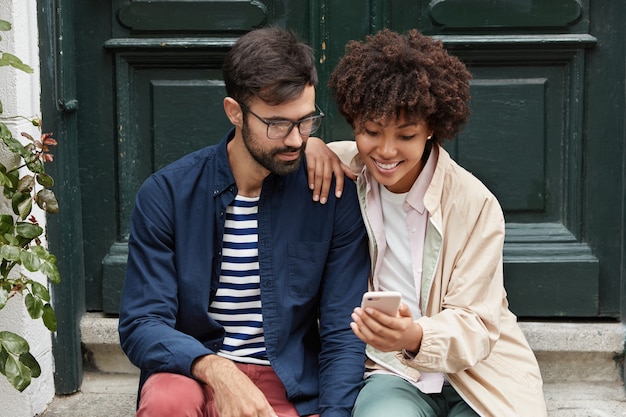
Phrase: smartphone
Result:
[387,302]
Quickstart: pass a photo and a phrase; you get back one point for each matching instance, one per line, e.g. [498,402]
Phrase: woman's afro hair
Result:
[411,75]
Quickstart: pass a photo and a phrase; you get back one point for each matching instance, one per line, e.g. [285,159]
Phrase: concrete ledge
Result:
[566,352]
[575,337]
[115,395]
[102,344]
[576,352]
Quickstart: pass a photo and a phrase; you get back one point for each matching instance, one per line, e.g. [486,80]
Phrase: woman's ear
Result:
[233,111]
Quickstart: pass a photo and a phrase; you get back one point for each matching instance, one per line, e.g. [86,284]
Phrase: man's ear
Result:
[233,111]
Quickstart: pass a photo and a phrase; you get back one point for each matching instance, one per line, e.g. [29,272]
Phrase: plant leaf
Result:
[45,180]
[29,360]
[30,260]
[34,164]
[49,318]
[13,343]
[6,223]
[46,200]
[43,253]
[48,263]
[17,63]
[4,297]
[9,190]
[40,291]
[9,252]
[28,230]
[4,180]
[12,240]
[34,306]
[50,269]
[5,132]
[3,358]
[26,184]
[13,144]
[17,373]
[4,25]
[22,204]
[24,208]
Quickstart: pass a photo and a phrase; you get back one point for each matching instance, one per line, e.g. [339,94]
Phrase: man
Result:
[239,287]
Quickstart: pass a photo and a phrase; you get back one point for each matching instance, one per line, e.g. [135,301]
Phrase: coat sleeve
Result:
[149,303]
[465,327]
[348,153]
[346,272]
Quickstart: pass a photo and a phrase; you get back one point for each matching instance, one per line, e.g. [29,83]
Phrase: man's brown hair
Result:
[269,63]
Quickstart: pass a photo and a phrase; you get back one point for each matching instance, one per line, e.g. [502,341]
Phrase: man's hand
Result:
[387,333]
[233,392]
[321,164]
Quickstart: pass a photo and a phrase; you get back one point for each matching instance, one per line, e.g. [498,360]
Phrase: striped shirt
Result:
[237,303]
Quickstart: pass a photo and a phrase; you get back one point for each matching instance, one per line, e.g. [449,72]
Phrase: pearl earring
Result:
[429,137]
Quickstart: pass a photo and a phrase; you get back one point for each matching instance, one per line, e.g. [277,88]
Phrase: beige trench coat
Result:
[469,332]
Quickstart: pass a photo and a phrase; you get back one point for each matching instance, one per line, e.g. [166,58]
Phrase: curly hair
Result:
[391,75]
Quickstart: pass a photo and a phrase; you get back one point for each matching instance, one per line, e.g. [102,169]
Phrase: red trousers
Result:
[174,395]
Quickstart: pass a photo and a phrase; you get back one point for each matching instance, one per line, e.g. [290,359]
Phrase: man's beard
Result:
[268,159]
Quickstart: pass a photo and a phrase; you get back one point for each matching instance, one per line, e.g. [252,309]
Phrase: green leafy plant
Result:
[24,185]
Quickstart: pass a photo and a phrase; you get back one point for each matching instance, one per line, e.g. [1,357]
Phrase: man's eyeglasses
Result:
[279,129]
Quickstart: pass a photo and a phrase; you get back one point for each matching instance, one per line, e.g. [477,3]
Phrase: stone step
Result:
[581,364]
[566,352]
[107,394]
[101,343]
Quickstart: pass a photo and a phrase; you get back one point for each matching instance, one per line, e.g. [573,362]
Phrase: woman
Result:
[436,236]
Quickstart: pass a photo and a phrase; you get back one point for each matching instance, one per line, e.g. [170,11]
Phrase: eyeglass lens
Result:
[306,127]
[280,129]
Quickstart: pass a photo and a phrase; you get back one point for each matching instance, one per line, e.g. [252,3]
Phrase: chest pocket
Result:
[305,263]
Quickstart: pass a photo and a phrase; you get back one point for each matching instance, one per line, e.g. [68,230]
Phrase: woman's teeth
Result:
[387,166]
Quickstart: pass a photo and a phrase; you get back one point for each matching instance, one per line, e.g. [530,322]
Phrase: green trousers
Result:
[388,395]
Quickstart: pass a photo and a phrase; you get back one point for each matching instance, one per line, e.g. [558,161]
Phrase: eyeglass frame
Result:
[267,123]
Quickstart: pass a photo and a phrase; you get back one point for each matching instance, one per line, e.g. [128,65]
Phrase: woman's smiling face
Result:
[392,150]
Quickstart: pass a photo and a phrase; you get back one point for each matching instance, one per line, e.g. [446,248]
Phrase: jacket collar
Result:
[224,179]
[417,193]
[432,198]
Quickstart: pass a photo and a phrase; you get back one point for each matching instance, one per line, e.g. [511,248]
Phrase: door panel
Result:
[504,143]
[169,104]
[201,127]
[525,142]
[473,14]
[192,16]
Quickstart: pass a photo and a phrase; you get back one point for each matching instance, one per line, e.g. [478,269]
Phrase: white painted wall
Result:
[20,96]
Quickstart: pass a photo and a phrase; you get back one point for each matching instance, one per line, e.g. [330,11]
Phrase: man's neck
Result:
[249,175]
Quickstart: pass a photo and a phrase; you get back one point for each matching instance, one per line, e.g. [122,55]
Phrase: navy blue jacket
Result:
[314,267]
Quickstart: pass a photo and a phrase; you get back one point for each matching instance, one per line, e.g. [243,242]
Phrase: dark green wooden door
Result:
[544,136]
[130,85]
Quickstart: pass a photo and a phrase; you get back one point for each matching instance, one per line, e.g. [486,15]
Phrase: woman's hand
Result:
[387,333]
[322,163]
